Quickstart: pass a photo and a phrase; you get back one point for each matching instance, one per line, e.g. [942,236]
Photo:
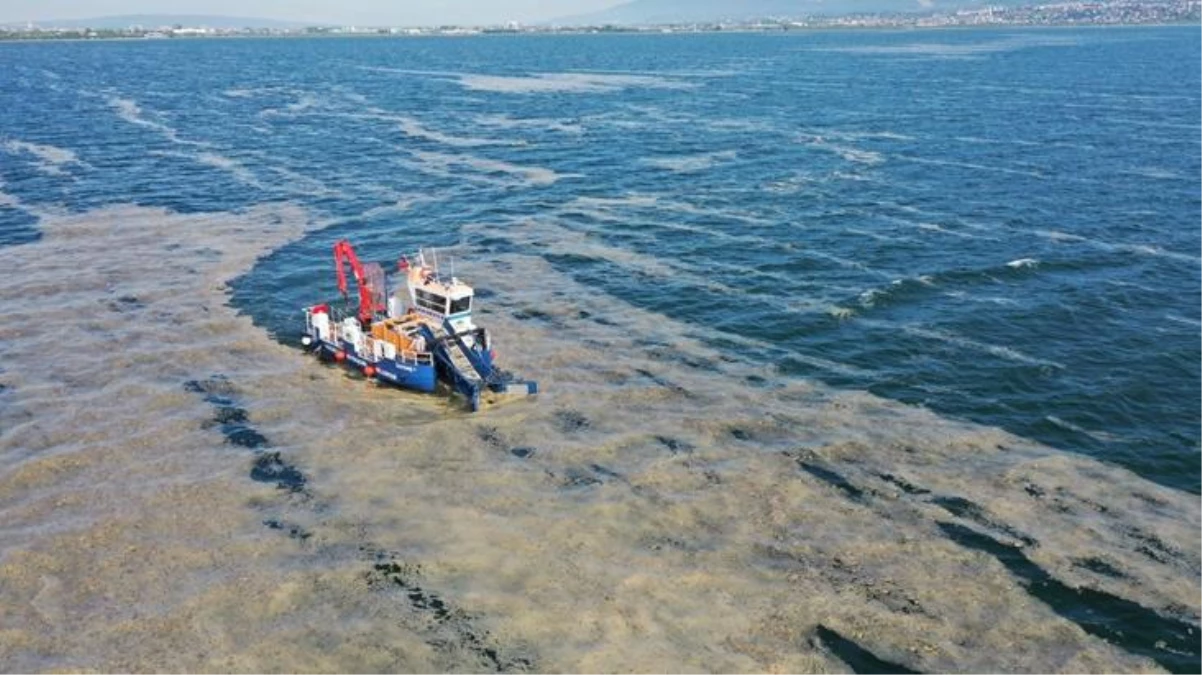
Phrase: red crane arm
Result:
[344,251]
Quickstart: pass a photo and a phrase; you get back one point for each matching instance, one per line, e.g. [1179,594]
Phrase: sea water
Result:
[857,349]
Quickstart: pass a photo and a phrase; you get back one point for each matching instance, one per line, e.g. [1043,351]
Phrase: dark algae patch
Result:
[218,385]
[606,472]
[859,659]
[245,437]
[294,531]
[588,476]
[229,414]
[577,478]
[234,423]
[741,434]
[1146,544]
[448,629]
[533,315]
[571,421]
[452,629]
[808,463]
[663,382]
[675,445]
[230,417]
[958,506]
[126,303]
[493,439]
[1064,501]
[1171,643]
[1099,566]
[269,467]
[843,572]
[1153,548]
[905,485]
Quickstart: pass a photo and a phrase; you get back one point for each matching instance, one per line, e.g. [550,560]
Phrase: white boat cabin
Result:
[435,297]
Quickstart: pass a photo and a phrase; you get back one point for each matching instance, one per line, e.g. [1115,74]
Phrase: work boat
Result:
[413,335]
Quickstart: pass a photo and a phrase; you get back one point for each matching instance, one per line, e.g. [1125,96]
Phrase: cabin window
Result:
[461,305]
[430,301]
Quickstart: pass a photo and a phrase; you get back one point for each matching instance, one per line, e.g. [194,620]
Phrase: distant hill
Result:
[160,20]
[649,12]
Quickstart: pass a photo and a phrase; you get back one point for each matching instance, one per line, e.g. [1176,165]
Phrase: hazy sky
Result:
[365,12]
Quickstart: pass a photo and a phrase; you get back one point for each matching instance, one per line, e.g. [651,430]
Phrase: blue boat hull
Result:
[415,376]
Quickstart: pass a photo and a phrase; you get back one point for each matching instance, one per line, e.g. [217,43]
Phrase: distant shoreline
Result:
[107,36]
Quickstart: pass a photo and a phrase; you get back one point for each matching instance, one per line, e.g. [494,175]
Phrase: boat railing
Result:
[420,358]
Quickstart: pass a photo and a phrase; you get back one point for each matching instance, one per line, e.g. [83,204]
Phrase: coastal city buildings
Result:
[1105,12]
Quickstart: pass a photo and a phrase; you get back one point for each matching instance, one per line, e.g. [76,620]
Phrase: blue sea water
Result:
[999,225]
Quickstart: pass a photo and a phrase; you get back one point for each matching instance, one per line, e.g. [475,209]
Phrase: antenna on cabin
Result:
[434,253]
[452,269]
